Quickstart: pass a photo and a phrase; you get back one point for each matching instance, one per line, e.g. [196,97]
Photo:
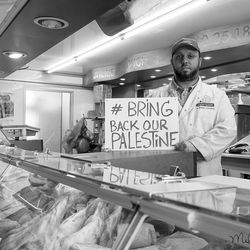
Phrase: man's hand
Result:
[185,146]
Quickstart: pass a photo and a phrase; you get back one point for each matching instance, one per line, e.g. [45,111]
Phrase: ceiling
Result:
[23,35]
[87,26]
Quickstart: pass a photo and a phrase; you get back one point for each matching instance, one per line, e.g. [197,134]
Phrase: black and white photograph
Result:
[124,125]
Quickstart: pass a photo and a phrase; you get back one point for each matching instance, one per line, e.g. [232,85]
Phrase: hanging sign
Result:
[223,37]
[141,123]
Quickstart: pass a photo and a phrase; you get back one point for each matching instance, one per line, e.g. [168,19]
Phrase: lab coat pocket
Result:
[205,118]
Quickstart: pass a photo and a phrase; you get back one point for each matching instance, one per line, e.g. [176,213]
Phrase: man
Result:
[206,117]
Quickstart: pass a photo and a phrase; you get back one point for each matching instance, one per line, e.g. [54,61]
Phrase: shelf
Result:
[20,131]
[96,118]
[243,91]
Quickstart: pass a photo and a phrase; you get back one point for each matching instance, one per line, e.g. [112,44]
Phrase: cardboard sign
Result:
[141,123]
[126,177]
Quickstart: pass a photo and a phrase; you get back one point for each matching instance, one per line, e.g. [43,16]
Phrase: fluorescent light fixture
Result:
[138,85]
[122,79]
[157,70]
[214,70]
[152,76]
[182,6]
[202,77]
[64,64]
[121,83]
[164,84]
[207,57]
[170,78]
[99,48]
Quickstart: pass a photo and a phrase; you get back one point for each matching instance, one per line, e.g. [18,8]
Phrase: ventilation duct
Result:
[116,19]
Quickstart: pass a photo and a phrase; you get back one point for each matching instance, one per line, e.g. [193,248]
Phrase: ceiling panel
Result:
[25,36]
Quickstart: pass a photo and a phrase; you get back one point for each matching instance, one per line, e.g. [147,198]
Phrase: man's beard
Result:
[182,77]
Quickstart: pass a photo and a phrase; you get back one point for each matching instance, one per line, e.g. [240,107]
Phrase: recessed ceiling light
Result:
[14,54]
[152,76]
[122,79]
[121,83]
[157,70]
[207,57]
[51,22]
[214,70]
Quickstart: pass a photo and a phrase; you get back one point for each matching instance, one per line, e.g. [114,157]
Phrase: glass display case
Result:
[51,202]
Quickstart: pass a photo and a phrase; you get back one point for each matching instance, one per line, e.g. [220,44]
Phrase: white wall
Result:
[44,110]
[83,101]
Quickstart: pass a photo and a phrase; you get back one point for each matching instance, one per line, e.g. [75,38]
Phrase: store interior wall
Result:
[59,112]
[71,106]
[43,110]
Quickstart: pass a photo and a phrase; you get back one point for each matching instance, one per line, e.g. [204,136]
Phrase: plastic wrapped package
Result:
[41,214]
[75,220]
[12,179]
[20,200]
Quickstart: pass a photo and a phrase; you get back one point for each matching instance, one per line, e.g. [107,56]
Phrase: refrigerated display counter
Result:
[236,159]
[236,165]
[52,202]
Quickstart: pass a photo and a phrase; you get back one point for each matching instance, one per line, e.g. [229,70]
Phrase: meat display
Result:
[43,215]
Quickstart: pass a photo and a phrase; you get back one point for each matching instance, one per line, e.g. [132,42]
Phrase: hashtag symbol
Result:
[115,109]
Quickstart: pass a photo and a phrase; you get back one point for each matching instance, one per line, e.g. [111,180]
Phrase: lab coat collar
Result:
[177,87]
[192,100]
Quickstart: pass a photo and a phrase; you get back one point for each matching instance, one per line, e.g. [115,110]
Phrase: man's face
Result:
[186,63]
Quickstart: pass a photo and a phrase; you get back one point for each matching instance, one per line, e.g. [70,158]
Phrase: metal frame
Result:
[126,238]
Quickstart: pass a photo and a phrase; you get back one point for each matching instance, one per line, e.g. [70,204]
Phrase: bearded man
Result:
[206,117]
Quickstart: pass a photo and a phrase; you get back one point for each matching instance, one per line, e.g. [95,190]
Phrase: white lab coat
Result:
[207,121]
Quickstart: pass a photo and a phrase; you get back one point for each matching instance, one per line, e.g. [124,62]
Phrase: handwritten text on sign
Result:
[141,123]
[124,177]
